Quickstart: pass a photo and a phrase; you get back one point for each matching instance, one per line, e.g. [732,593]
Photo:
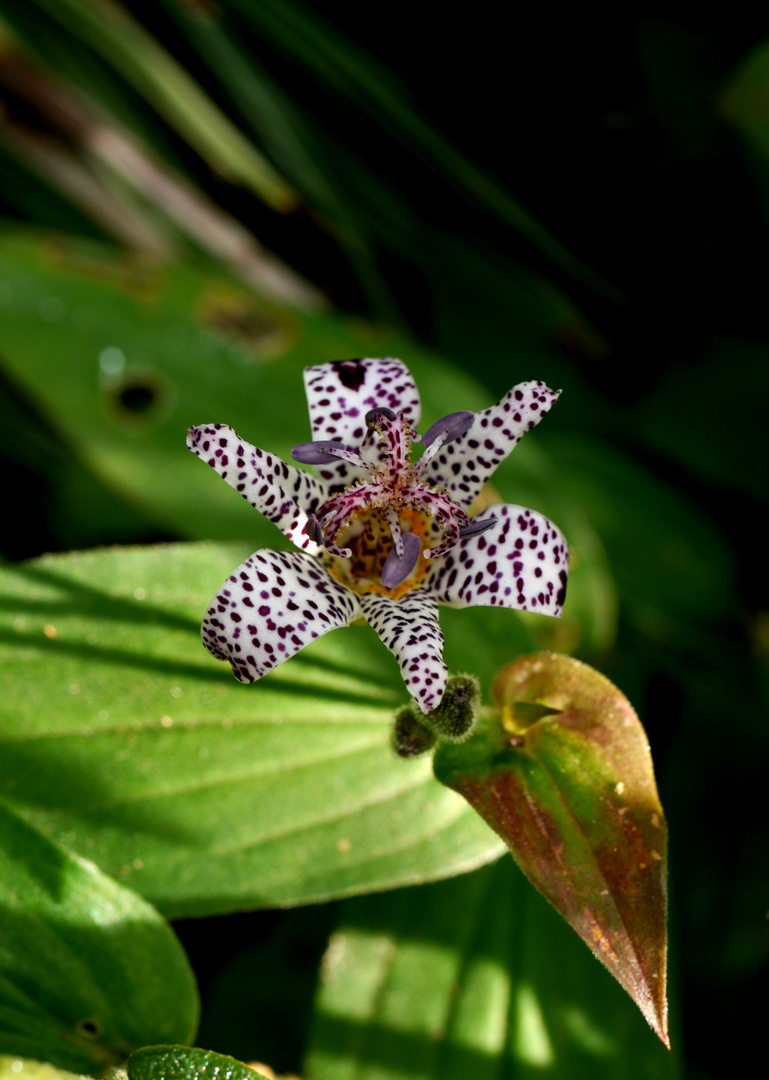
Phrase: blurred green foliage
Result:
[198,203]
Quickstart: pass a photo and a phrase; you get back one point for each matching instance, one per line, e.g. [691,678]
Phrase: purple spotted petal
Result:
[522,563]
[463,466]
[339,395]
[409,628]
[282,493]
[274,604]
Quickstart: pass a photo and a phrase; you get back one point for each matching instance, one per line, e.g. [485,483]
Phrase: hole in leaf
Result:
[137,399]
[90,1028]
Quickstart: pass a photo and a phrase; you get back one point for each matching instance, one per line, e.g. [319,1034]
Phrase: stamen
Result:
[317,453]
[312,529]
[381,410]
[396,568]
[477,526]
[452,426]
[377,501]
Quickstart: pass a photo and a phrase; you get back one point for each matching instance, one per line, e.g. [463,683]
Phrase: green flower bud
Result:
[454,719]
[409,737]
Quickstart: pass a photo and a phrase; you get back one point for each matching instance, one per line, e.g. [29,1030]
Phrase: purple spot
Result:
[351,373]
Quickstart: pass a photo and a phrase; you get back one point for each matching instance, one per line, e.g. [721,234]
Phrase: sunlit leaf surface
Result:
[477,977]
[122,737]
[88,970]
[565,776]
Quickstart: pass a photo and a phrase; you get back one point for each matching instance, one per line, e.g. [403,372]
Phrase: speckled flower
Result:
[380,536]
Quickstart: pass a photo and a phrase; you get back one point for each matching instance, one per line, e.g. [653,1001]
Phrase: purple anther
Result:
[477,526]
[454,425]
[312,529]
[396,570]
[316,453]
[381,410]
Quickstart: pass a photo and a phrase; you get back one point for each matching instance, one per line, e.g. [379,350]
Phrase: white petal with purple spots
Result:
[341,393]
[521,562]
[284,494]
[273,605]
[409,628]
[463,466]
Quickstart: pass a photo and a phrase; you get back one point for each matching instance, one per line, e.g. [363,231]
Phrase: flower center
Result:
[379,532]
[370,542]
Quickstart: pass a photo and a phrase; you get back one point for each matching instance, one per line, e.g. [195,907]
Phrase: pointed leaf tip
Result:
[563,773]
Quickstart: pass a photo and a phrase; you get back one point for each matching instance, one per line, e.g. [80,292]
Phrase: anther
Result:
[452,426]
[398,567]
[312,529]
[316,453]
[381,410]
[477,526]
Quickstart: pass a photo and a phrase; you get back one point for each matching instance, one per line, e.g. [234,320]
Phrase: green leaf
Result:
[86,333]
[669,560]
[186,1063]
[686,435]
[471,978]
[564,775]
[123,357]
[204,794]
[88,970]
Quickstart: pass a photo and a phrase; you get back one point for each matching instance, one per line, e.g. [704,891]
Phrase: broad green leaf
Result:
[565,777]
[186,1063]
[88,970]
[124,738]
[92,338]
[472,978]
[123,357]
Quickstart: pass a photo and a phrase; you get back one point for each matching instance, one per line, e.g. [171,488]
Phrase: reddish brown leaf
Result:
[563,773]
